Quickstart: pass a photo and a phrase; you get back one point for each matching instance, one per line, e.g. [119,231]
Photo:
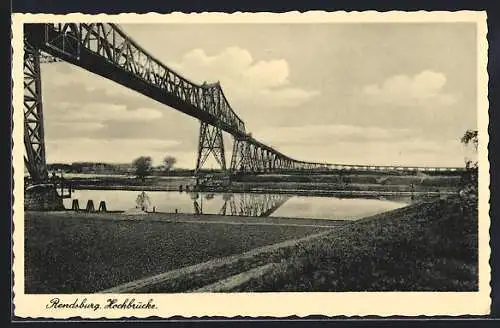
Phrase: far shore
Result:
[328,185]
[318,193]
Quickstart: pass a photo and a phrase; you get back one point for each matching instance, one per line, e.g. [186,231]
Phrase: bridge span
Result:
[104,49]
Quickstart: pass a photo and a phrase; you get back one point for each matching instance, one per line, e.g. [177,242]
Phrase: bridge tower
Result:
[40,195]
[210,142]
[241,157]
[34,140]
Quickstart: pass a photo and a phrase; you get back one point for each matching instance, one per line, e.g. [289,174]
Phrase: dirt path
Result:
[139,284]
[226,285]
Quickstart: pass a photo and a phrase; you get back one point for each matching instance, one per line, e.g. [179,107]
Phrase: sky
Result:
[356,93]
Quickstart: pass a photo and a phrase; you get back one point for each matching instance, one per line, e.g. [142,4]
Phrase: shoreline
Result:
[304,192]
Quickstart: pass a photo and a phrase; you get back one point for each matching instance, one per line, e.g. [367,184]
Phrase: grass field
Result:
[70,255]
[426,247]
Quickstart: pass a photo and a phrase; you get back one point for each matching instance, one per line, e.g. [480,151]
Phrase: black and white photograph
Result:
[165,158]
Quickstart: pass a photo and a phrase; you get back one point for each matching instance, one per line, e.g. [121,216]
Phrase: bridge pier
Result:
[238,156]
[210,142]
[34,140]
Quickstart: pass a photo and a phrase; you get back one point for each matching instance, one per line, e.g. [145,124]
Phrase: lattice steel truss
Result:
[104,49]
[210,142]
[78,43]
[34,141]
[249,156]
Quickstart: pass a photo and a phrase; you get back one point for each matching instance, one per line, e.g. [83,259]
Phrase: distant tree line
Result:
[90,167]
[141,167]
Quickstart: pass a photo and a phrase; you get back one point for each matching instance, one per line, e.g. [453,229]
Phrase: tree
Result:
[469,191]
[470,137]
[169,162]
[143,166]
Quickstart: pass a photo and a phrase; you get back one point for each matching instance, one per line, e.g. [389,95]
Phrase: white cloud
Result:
[321,134]
[78,126]
[245,82]
[425,88]
[101,112]
[370,145]
[409,152]
[273,73]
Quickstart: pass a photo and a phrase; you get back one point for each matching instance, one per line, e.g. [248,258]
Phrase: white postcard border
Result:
[261,304]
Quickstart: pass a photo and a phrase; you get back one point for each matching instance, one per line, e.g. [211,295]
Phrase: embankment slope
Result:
[430,246]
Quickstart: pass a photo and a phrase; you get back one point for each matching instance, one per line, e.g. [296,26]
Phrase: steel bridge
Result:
[104,49]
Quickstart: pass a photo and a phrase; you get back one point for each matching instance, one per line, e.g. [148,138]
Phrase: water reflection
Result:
[239,204]
[143,202]
[242,204]
[253,204]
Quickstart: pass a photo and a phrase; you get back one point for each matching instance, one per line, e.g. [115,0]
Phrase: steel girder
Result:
[34,141]
[253,157]
[109,44]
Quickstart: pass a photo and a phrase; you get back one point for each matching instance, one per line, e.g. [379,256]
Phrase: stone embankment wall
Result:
[42,198]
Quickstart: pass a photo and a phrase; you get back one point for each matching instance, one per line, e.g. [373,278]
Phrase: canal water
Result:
[249,204]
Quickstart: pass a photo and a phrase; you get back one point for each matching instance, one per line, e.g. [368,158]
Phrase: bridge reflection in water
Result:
[260,205]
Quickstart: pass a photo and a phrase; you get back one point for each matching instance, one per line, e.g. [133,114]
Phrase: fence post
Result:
[90,206]
[102,206]
[75,206]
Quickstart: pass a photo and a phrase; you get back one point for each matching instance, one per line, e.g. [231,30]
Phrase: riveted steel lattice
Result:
[210,142]
[240,158]
[34,140]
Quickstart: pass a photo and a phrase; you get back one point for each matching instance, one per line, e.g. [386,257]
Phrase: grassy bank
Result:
[431,246]
[66,253]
